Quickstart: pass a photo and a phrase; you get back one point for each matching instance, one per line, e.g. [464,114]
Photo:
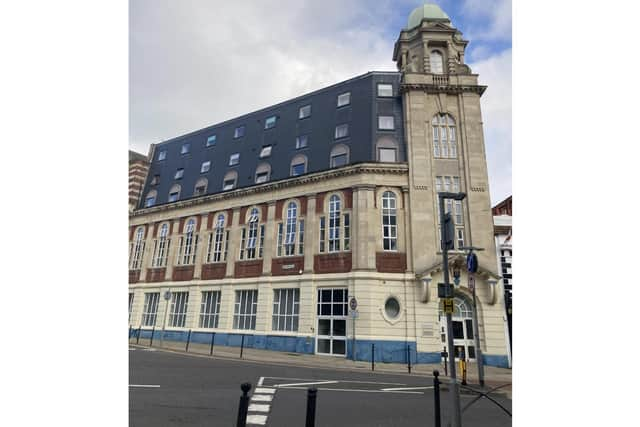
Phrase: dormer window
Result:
[436,62]
[185,148]
[238,132]
[270,122]
[265,152]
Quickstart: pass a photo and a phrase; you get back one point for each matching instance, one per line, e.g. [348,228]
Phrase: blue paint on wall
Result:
[500,361]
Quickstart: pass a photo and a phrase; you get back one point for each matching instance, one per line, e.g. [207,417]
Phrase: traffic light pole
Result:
[454,391]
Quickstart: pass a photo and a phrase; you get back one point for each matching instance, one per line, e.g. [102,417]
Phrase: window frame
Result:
[440,62]
[239,132]
[206,165]
[393,123]
[162,155]
[161,247]
[237,157]
[271,119]
[342,96]
[341,126]
[150,309]
[245,309]
[285,317]
[389,211]
[185,148]
[390,85]
[301,114]
[268,148]
[211,140]
[178,309]
[299,140]
[209,309]
[188,244]
[179,174]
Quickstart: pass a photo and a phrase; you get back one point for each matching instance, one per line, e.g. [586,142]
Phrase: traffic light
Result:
[449,232]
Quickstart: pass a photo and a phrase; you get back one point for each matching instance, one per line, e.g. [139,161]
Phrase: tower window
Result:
[436,62]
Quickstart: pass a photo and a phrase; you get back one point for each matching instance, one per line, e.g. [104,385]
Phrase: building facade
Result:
[138,169]
[504,252]
[268,224]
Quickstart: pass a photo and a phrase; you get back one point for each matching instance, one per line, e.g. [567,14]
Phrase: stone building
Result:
[268,224]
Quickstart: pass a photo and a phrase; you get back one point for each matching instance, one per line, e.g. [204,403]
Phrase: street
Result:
[170,389]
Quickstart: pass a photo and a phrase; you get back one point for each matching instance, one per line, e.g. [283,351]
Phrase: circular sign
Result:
[472,263]
[167,295]
[353,304]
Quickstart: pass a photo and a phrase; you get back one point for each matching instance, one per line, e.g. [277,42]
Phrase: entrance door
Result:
[462,320]
[332,313]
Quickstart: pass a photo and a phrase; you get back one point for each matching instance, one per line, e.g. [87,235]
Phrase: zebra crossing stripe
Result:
[256,419]
[264,395]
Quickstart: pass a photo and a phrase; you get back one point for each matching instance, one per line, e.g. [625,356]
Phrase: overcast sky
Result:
[194,63]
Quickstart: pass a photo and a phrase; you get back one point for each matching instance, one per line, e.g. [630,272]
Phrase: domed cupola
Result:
[428,11]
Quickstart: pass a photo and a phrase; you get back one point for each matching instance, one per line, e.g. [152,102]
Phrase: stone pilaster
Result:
[173,249]
[364,245]
[234,243]
[310,234]
[202,246]
[269,239]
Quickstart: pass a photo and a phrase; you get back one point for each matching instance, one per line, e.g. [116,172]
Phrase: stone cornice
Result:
[450,89]
[356,169]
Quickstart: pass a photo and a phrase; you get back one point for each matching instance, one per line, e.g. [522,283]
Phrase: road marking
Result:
[349,381]
[406,388]
[131,349]
[261,398]
[257,419]
[256,407]
[354,389]
[144,385]
[299,384]
[149,349]
[265,390]
[260,381]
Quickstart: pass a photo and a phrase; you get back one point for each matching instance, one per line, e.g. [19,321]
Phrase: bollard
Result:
[373,352]
[138,337]
[241,346]
[436,397]
[312,394]
[213,337]
[130,330]
[152,332]
[188,341]
[244,405]
[446,374]
[409,358]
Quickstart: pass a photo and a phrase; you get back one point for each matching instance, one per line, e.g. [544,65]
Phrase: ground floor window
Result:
[210,309]
[178,314]
[244,314]
[286,304]
[150,311]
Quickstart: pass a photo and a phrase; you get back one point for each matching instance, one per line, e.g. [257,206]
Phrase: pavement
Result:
[493,376]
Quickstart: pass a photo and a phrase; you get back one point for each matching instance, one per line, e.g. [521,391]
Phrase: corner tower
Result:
[443,128]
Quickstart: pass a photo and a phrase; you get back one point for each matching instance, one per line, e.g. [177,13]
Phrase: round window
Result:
[392,308]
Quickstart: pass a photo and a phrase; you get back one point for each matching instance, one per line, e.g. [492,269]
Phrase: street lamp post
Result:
[472,267]
[167,297]
[454,389]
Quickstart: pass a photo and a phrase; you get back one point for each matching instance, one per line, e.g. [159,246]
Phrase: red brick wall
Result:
[293,264]
[320,202]
[214,271]
[251,268]
[391,262]
[134,276]
[332,263]
[348,198]
[156,274]
[182,273]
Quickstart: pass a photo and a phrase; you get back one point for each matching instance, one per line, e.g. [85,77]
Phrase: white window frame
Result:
[265,151]
[444,137]
[188,244]
[436,62]
[179,173]
[245,309]
[342,131]
[210,309]
[286,310]
[161,248]
[344,99]
[150,308]
[162,155]
[386,123]
[335,205]
[270,122]
[250,246]
[131,298]
[238,132]
[385,86]
[137,250]
[205,167]
[217,245]
[387,150]
[211,140]
[301,114]
[389,222]
[299,141]
[186,148]
[178,311]
[234,159]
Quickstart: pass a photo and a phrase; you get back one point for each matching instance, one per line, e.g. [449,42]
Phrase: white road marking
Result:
[261,398]
[348,381]
[131,349]
[256,407]
[265,390]
[144,385]
[299,384]
[257,419]
[406,388]
[149,349]
[354,389]
[260,381]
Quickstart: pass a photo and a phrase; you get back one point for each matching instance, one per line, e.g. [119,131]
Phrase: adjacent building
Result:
[504,252]
[268,224]
[138,168]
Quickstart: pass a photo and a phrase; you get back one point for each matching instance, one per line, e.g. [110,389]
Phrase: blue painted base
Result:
[383,351]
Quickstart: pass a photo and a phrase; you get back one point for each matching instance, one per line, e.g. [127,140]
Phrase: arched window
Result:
[188,244]
[174,193]
[387,149]
[137,250]
[444,136]
[230,181]
[299,165]
[389,222]
[436,62]
[151,199]
[339,156]
[290,235]
[201,187]
[249,243]
[334,223]
[461,309]
[161,247]
[218,242]
[263,172]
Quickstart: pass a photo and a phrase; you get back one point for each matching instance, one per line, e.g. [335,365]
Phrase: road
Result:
[170,389]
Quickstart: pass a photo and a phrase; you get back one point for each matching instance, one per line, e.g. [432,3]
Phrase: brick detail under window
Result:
[182,273]
[214,271]
[348,198]
[391,262]
[332,263]
[287,266]
[248,269]
[320,202]
[134,276]
[156,274]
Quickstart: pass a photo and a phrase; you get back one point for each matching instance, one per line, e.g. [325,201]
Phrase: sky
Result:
[194,63]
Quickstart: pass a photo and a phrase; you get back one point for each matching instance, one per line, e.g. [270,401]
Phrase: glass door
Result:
[331,338]
[462,322]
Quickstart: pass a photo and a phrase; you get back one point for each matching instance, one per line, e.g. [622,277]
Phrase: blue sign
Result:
[472,263]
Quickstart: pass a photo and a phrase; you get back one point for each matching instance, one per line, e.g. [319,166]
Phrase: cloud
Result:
[489,19]
[495,72]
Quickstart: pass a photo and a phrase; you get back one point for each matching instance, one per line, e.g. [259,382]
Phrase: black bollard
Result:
[153,331]
[241,346]
[213,337]
[138,337]
[409,358]
[373,352]
[130,330]
[244,405]
[436,397]
[446,374]
[188,341]
[312,394]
